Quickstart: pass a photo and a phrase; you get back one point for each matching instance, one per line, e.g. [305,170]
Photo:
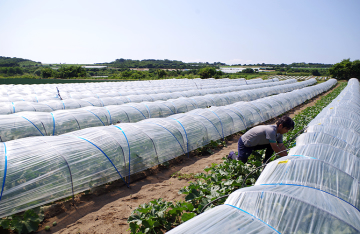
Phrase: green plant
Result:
[23,223]
[158,216]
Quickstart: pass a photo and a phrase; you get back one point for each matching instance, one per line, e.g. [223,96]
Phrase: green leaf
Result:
[5,223]
[133,227]
[186,216]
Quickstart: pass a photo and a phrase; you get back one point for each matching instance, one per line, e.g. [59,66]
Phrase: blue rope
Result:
[5,170]
[148,110]
[254,217]
[239,117]
[128,146]
[13,107]
[97,117]
[53,124]
[242,116]
[258,111]
[49,106]
[210,122]
[109,114]
[187,141]
[105,156]
[137,110]
[171,134]
[31,123]
[63,104]
[100,100]
[168,108]
[89,102]
[222,128]
[298,155]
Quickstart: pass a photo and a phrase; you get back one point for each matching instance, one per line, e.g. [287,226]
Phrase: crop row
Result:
[41,93]
[25,124]
[119,99]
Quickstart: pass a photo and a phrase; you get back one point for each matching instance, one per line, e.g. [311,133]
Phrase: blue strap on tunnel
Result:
[31,123]
[63,104]
[49,106]
[105,156]
[254,217]
[210,122]
[171,134]
[187,141]
[128,146]
[100,100]
[109,114]
[300,185]
[53,123]
[257,109]
[222,128]
[96,117]
[298,155]
[89,102]
[13,107]
[148,110]
[5,170]
[168,108]
[137,110]
[239,117]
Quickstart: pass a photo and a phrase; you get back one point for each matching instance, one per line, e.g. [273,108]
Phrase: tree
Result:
[71,71]
[315,72]
[248,70]
[207,72]
[345,69]
[161,73]
[46,72]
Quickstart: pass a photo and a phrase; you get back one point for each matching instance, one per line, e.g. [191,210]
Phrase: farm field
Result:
[260,108]
[109,209]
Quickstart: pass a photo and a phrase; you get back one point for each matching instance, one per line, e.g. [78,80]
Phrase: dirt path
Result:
[106,209]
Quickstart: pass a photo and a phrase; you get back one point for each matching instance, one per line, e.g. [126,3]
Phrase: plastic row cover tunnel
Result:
[44,92]
[313,190]
[38,170]
[118,99]
[24,124]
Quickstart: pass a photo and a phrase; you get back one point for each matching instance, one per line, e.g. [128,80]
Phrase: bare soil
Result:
[106,208]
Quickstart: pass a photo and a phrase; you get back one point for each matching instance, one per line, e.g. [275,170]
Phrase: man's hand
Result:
[278,148]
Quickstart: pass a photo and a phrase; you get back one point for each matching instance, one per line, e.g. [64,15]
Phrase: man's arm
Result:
[279,147]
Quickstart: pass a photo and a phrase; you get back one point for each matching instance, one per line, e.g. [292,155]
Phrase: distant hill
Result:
[153,63]
[16,62]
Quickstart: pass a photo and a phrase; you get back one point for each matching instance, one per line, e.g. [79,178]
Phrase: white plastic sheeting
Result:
[316,188]
[225,219]
[118,99]
[24,124]
[38,170]
[44,92]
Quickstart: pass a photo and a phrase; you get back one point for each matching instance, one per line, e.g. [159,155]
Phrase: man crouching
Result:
[269,137]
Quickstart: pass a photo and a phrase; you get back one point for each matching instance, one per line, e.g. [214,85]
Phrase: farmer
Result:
[269,137]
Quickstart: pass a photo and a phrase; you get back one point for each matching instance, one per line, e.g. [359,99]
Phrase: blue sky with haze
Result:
[257,31]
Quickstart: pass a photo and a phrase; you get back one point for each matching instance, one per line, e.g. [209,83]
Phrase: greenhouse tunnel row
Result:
[38,170]
[45,92]
[25,124]
[52,105]
[315,189]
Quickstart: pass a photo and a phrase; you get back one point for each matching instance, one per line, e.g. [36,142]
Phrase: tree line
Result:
[346,69]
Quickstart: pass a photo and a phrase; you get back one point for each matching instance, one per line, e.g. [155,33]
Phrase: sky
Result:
[228,31]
